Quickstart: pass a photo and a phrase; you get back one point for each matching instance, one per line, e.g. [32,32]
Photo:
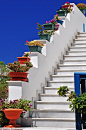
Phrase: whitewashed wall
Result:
[52,53]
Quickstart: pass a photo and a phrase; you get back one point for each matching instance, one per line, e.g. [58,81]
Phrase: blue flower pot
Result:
[60,21]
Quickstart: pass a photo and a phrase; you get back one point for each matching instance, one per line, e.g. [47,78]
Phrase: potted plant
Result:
[61,12]
[50,25]
[67,4]
[13,109]
[35,45]
[82,7]
[41,34]
[24,58]
[18,71]
[58,19]
[78,103]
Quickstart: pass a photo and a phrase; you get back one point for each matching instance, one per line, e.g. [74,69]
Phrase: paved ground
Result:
[37,128]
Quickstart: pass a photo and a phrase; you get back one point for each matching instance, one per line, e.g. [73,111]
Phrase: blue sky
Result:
[18,20]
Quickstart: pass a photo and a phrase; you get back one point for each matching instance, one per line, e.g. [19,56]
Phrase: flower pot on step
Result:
[22,60]
[49,26]
[19,76]
[12,115]
[61,13]
[44,36]
[36,48]
[83,11]
[66,6]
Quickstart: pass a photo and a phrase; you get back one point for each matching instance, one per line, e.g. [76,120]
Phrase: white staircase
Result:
[52,110]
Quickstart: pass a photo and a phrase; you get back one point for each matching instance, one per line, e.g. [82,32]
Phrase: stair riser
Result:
[53,98]
[79,45]
[81,34]
[77,49]
[63,78]
[61,84]
[77,53]
[80,41]
[51,91]
[74,58]
[73,68]
[53,106]
[51,114]
[74,63]
[64,73]
[60,124]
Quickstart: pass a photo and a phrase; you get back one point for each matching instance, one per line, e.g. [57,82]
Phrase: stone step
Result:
[67,72]
[73,62]
[53,90]
[78,44]
[72,67]
[81,34]
[80,40]
[76,53]
[72,57]
[80,37]
[52,105]
[54,122]
[72,48]
[62,78]
[60,83]
[52,97]
[52,113]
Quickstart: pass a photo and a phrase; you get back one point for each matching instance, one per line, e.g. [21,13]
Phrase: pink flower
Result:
[26,40]
[57,15]
[67,2]
[46,21]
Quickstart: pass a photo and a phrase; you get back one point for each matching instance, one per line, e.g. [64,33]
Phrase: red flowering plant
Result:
[20,104]
[15,67]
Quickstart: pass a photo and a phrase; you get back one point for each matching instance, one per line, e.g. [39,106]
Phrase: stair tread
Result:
[60,81]
[71,65]
[57,119]
[73,47]
[58,110]
[72,60]
[54,95]
[81,32]
[62,75]
[75,51]
[70,70]
[55,88]
[74,55]
[49,102]
[78,43]
[80,39]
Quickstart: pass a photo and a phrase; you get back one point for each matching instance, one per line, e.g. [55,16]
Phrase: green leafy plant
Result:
[49,32]
[26,54]
[16,67]
[40,28]
[78,103]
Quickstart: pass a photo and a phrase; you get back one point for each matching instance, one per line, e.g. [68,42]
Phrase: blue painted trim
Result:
[83,27]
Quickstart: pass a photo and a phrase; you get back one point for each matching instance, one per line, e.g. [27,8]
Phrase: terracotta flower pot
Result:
[12,115]
[19,76]
[65,6]
[22,60]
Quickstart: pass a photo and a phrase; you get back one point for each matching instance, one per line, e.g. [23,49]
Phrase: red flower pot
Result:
[12,115]
[19,76]
[22,60]
[65,6]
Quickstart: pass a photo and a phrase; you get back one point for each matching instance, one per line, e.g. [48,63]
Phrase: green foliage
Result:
[26,54]
[40,28]
[49,32]
[3,119]
[62,91]
[78,103]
